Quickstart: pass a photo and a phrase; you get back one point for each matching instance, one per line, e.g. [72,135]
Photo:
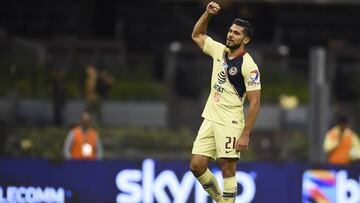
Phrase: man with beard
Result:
[224,132]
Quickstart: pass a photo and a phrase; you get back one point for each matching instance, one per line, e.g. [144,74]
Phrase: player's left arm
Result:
[251,75]
[355,151]
[254,106]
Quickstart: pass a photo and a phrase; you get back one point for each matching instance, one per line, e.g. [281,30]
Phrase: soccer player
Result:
[224,132]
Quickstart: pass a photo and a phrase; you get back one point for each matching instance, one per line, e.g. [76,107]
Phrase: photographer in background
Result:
[341,144]
[83,142]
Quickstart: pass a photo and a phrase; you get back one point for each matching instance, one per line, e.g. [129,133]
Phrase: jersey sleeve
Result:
[330,142]
[251,76]
[212,47]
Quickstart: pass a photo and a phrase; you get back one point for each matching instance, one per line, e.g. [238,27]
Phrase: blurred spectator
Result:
[98,83]
[58,94]
[341,144]
[91,96]
[103,83]
[83,142]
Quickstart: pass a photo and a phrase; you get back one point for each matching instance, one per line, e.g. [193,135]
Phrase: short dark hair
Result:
[249,32]
[342,119]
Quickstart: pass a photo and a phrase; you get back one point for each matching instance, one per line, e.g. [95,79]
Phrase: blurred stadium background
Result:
[308,53]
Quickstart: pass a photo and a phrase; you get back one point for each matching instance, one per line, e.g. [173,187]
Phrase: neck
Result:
[234,53]
[84,128]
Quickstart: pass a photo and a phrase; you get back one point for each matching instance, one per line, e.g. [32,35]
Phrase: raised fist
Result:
[213,8]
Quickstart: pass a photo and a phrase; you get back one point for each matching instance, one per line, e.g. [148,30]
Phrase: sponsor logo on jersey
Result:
[218,88]
[253,78]
[222,77]
[254,75]
[217,96]
[253,83]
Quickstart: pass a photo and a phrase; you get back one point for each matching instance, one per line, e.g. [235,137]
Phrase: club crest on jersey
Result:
[233,70]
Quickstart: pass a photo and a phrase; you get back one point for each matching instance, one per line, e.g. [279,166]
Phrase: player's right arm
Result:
[199,33]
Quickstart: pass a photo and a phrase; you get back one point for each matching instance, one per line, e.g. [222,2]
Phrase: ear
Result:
[246,40]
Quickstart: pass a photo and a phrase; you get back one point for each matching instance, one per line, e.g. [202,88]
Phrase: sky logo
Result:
[149,186]
[327,186]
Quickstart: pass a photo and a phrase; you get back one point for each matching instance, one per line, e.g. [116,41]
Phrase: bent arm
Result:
[200,29]
[199,33]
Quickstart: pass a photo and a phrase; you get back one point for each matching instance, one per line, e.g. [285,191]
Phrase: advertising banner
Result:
[148,181]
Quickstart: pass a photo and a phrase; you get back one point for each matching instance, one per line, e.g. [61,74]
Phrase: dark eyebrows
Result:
[236,32]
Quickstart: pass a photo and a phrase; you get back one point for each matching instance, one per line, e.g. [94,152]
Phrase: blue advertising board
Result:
[123,181]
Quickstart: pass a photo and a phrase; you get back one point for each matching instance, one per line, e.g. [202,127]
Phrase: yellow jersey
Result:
[231,79]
